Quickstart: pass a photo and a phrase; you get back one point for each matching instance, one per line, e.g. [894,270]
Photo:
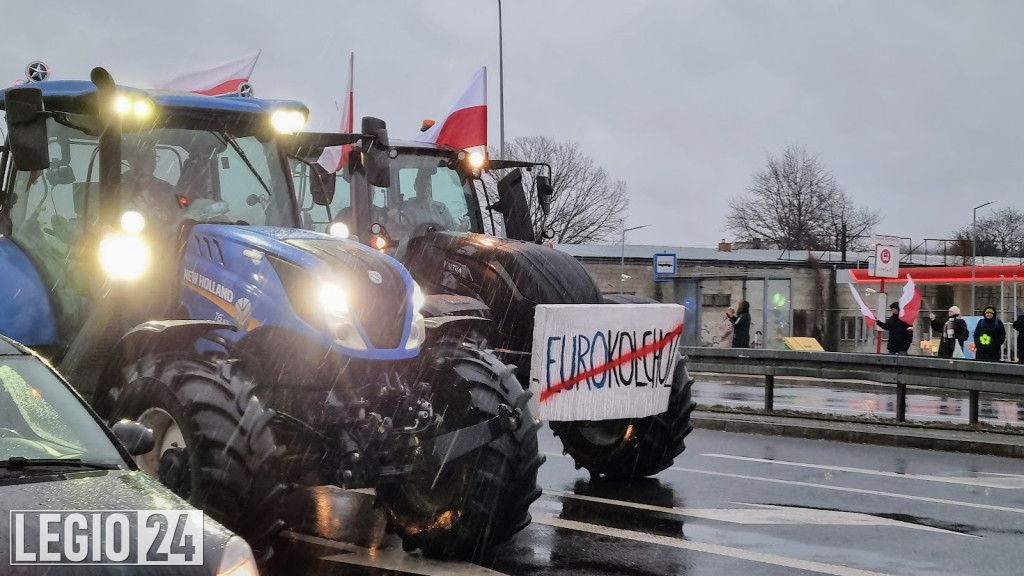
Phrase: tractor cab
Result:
[429,190]
[432,189]
[101,181]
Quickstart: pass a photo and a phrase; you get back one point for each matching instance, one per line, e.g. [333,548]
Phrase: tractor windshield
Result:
[426,190]
[170,175]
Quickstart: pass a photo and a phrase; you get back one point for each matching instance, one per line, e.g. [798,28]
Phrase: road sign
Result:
[664,266]
[887,261]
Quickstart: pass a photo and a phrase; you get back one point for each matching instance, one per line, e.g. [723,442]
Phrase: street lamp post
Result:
[622,258]
[974,249]
[501,85]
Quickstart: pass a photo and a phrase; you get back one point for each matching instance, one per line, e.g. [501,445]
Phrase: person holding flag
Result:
[901,334]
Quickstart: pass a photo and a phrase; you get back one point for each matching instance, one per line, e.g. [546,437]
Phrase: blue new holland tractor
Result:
[153,250]
[435,216]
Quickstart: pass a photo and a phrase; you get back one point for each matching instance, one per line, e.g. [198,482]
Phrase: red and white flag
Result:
[465,125]
[869,316]
[214,80]
[910,302]
[334,158]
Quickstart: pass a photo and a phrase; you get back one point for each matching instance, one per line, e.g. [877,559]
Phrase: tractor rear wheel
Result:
[632,448]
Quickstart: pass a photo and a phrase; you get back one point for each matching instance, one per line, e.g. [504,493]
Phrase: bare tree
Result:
[794,203]
[999,234]
[588,206]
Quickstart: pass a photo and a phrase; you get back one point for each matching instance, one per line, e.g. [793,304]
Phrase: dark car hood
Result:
[100,490]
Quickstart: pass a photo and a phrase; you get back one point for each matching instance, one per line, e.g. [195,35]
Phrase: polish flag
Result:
[465,125]
[215,80]
[910,302]
[334,158]
[869,316]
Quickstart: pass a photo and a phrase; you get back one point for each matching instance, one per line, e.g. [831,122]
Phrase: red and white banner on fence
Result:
[602,362]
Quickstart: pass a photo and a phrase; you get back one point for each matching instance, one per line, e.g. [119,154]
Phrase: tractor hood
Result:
[265,276]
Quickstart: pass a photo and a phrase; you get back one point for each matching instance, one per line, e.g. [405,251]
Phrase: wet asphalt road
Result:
[732,504]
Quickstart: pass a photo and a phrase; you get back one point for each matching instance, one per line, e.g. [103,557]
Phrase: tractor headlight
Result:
[132,222]
[418,331]
[288,121]
[476,159]
[124,256]
[418,298]
[338,229]
[341,324]
[334,299]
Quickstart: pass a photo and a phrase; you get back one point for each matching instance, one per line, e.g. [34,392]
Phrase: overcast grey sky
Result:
[916,106]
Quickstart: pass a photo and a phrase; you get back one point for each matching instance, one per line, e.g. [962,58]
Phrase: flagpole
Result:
[501,85]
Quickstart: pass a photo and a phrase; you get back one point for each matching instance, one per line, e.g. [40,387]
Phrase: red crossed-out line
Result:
[639,352]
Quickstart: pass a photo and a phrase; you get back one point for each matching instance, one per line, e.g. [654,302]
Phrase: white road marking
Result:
[726,551]
[1008,481]
[764,514]
[854,490]
[393,559]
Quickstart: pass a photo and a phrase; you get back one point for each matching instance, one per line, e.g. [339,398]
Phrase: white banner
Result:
[603,361]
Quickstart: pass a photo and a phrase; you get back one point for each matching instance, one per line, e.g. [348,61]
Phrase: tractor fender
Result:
[454,305]
[26,313]
[147,338]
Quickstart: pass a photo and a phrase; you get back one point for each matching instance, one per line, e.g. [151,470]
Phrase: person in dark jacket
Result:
[953,331]
[901,334]
[1018,325]
[989,335]
[741,326]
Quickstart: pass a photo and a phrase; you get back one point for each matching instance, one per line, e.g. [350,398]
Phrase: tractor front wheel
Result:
[213,442]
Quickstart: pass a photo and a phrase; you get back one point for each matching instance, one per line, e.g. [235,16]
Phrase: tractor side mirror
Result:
[377,156]
[137,439]
[544,193]
[513,207]
[321,185]
[27,124]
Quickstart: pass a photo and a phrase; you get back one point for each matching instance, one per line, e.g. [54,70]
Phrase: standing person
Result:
[953,330]
[726,329]
[741,326]
[901,334]
[989,335]
[1018,325]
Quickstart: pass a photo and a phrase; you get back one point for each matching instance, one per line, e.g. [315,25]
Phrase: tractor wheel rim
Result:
[604,434]
[166,436]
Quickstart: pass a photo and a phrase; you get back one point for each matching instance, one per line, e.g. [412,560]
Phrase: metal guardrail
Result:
[971,375]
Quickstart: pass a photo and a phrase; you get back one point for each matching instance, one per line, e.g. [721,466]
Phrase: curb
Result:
[901,436]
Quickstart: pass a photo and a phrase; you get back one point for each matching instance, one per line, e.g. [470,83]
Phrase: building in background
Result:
[799,293]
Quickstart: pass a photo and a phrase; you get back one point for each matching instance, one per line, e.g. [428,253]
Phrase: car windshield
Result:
[41,419]
[425,189]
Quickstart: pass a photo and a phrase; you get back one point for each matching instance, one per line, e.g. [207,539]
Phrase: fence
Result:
[972,376]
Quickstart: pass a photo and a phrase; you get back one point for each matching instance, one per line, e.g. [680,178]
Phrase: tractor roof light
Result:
[288,121]
[134,106]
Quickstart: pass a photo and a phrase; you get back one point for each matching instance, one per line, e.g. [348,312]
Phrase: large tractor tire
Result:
[482,499]
[632,448]
[213,442]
